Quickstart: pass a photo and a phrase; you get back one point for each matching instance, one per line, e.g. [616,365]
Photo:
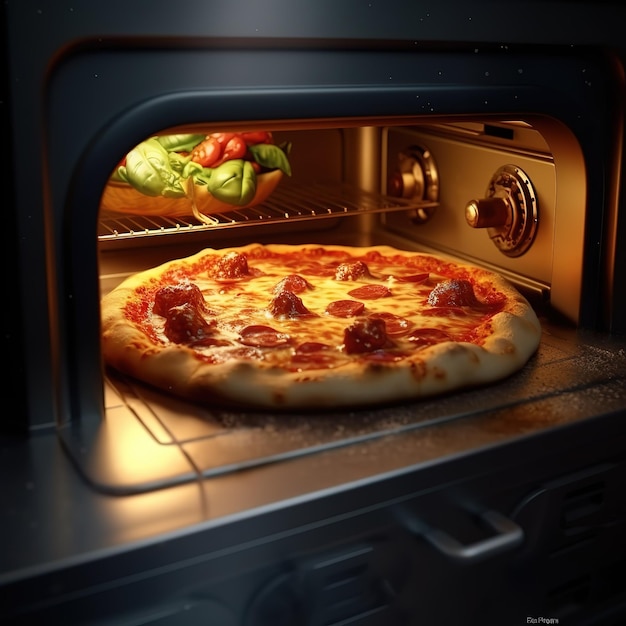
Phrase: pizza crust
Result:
[508,340]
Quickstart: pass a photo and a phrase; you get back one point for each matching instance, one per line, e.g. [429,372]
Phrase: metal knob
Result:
[488,213]
[509,212]
[416,179]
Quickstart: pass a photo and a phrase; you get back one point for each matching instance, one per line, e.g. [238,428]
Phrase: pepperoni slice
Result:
[185,324]
[395,325]
[424,337]
[259,336]
[231,266]
[365,336]
[311,346]
[287,305]
[454,292]
[293,283]
[370,292]
[345,308]
[352,271]
[175,295]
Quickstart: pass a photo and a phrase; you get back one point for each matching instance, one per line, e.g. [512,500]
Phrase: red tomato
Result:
[222,138]
[257,136]
[207,152]
[235,149]
[218,148]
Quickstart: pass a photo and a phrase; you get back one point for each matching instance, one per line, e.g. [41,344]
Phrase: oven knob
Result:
[488,213]
[416,178]
[509,211]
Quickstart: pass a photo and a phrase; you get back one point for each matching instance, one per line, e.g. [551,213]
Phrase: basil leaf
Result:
[180,143]
[191,168]
[233,181]
[271,156]
[148,170]
[178,162]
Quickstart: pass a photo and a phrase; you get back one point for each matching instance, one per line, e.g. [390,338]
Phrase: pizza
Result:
[310,326]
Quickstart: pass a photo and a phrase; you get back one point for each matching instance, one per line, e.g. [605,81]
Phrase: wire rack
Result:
[287,204]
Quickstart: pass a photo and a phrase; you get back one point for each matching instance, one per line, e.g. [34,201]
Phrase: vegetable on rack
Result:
[226,164]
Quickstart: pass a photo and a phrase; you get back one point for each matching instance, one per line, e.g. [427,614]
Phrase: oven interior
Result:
[403,185]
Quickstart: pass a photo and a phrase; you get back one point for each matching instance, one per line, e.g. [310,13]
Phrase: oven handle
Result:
[509,535]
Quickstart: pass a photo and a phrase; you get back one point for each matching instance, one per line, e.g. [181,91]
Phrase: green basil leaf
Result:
[180,143]
[178,162]
[148,170]
[191,168]
[271,156]
[233,182]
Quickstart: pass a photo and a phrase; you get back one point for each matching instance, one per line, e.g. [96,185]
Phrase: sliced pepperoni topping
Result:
[454,292]
[424,337]
[370,292]
[230,266]
[287,304]
[395,325]
[345,308]
[365,336]
[259,336]
[352,271]
[413,278]
[293,283]
[175,295]
[311,346]
[185,324]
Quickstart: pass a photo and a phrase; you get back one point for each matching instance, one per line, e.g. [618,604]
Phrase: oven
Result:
[409,125]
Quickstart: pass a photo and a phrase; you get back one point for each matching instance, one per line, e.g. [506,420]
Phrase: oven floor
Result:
[150,440]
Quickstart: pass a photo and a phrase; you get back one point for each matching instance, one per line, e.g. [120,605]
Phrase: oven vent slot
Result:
[597,589]
[289,203]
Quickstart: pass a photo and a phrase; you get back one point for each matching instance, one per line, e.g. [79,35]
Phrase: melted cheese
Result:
[245,301]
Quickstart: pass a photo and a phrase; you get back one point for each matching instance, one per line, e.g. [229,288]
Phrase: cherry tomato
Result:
[257,136]
[207,152]
[222,138]
[235,149]
[218,148]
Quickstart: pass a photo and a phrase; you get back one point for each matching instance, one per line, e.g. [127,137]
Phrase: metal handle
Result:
[509,536]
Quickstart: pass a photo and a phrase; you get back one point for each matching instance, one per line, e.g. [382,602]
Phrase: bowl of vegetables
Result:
[196,174]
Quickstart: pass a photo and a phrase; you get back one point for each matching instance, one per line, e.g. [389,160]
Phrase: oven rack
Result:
[286,204]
